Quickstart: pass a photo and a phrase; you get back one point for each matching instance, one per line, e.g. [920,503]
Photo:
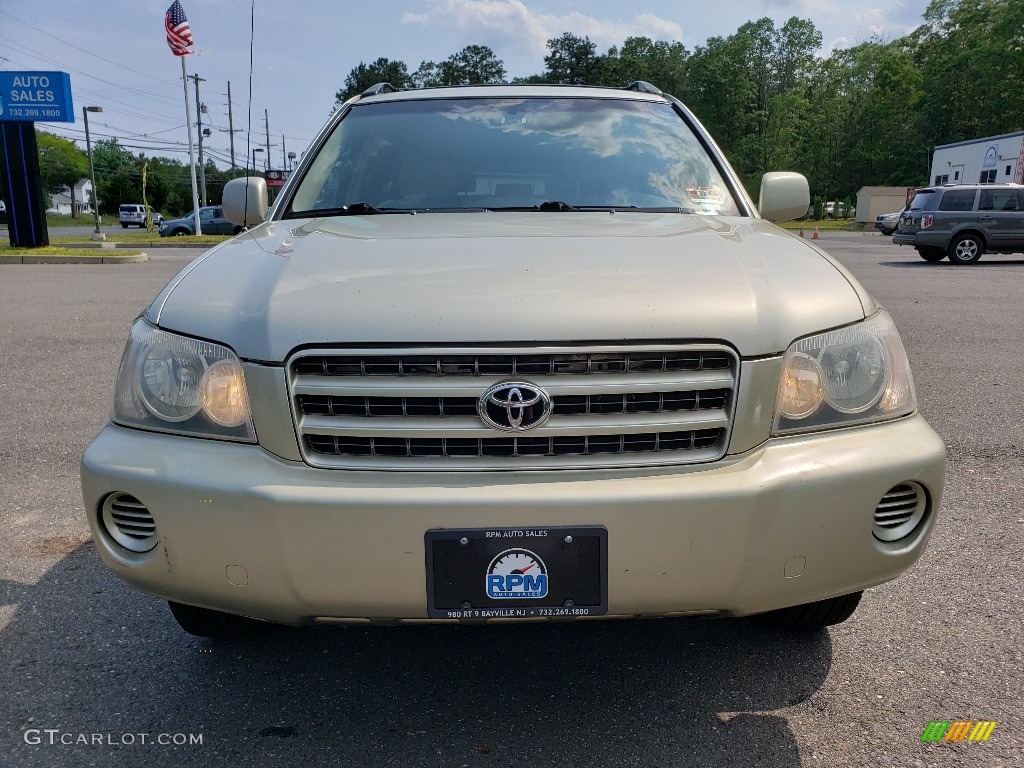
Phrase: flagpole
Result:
[191,151]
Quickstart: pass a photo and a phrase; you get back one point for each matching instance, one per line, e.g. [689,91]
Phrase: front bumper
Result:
[243,531]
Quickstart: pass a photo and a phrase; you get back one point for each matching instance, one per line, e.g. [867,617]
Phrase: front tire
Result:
[202,622]
[931,254]
[811,617]
[966,249]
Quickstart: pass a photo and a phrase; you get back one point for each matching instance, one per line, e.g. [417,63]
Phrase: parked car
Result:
[963,222]
[887,222]
[834,210]
[485,360]
[211,219]
[134,214]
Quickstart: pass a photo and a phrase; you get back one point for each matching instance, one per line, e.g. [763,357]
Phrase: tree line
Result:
[124,177]
[865,115]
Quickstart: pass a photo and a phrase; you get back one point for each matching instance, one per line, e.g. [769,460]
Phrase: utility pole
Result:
[231,130]
[200,108]
[284,155]
[266,123]
[191,155]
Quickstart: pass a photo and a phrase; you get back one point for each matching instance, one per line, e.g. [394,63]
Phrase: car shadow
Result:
[921,263]
[85,654]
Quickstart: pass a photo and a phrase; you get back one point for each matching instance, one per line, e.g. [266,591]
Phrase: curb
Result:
[114,245]
[132,258]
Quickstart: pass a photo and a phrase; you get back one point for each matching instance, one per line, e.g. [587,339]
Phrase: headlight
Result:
[176,384]
[848,376]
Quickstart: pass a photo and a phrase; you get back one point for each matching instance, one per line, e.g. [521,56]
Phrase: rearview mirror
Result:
[245,201]
[784,196]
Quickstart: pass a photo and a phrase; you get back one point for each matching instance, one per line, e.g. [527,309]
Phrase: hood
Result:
[483,278]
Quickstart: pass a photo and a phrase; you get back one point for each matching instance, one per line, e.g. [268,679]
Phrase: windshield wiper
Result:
[547,205]
[352,209]
[558,206]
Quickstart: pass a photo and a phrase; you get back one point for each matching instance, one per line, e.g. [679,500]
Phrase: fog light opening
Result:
[901,512]
[128,522]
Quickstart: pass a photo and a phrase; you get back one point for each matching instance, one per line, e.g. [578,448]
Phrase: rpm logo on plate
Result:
[517,574]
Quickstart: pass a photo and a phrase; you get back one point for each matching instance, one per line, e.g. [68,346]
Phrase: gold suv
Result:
[512,353]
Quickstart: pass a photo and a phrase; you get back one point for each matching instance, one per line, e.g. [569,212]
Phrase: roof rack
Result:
[642,86]
[373,90]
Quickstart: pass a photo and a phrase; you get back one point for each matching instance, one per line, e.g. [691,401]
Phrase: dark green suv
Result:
[962,222]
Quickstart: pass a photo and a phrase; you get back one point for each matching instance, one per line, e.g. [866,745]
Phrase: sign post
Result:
[25,98]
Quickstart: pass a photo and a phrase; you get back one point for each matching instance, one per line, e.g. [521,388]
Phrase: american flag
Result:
[179,34]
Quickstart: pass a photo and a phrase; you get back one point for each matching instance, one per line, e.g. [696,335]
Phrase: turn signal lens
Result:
[224,394]
[802,387]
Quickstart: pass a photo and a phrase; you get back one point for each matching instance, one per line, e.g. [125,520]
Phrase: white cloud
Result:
[512,25]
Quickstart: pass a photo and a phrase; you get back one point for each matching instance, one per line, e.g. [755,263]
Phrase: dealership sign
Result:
[277,178]
[43,97]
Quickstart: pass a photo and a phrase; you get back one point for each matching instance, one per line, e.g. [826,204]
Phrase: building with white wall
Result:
[996,159]
[60,203]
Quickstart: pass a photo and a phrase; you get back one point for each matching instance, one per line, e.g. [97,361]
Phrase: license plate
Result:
[517,573]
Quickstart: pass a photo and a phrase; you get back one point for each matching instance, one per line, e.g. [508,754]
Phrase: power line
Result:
[119,65]
[56,62]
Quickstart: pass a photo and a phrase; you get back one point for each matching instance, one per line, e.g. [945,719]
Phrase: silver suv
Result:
[512,353]
[135,214]
[963,222]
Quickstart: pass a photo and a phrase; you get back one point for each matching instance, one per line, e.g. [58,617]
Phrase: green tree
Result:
[721,92]
[572,60]
[473,65]
[971,57]
[118,175]
[61,164]
[885,147]
[477,64]
[365,76]
[661,63]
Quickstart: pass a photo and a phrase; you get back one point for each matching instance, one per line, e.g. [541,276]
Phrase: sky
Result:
[117,57]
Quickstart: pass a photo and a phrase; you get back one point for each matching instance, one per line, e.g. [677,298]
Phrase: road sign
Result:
[37,97]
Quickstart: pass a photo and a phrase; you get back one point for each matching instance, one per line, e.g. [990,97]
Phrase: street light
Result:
[254,151]
[97,234]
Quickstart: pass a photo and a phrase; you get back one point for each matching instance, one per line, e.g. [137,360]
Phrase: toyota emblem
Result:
[514,406]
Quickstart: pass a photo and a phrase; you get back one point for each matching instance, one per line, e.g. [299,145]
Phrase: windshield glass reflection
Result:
[476,154]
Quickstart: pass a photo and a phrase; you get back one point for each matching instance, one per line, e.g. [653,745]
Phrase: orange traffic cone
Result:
[801,231]
[815,235]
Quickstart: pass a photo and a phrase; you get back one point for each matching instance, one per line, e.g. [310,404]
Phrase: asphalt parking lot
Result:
[84,657]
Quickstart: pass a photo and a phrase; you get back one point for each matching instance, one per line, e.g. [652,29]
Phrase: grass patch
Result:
[839,225]
[51,250]
[84,220]
[141,238]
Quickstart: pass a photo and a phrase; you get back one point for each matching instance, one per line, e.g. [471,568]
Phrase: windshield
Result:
[518,154]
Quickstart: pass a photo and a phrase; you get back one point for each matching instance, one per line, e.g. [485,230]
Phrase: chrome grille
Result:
[564,363]
[417,409]
[584,445]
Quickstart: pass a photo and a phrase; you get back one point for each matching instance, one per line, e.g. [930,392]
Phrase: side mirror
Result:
[784,196]
[245,201]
